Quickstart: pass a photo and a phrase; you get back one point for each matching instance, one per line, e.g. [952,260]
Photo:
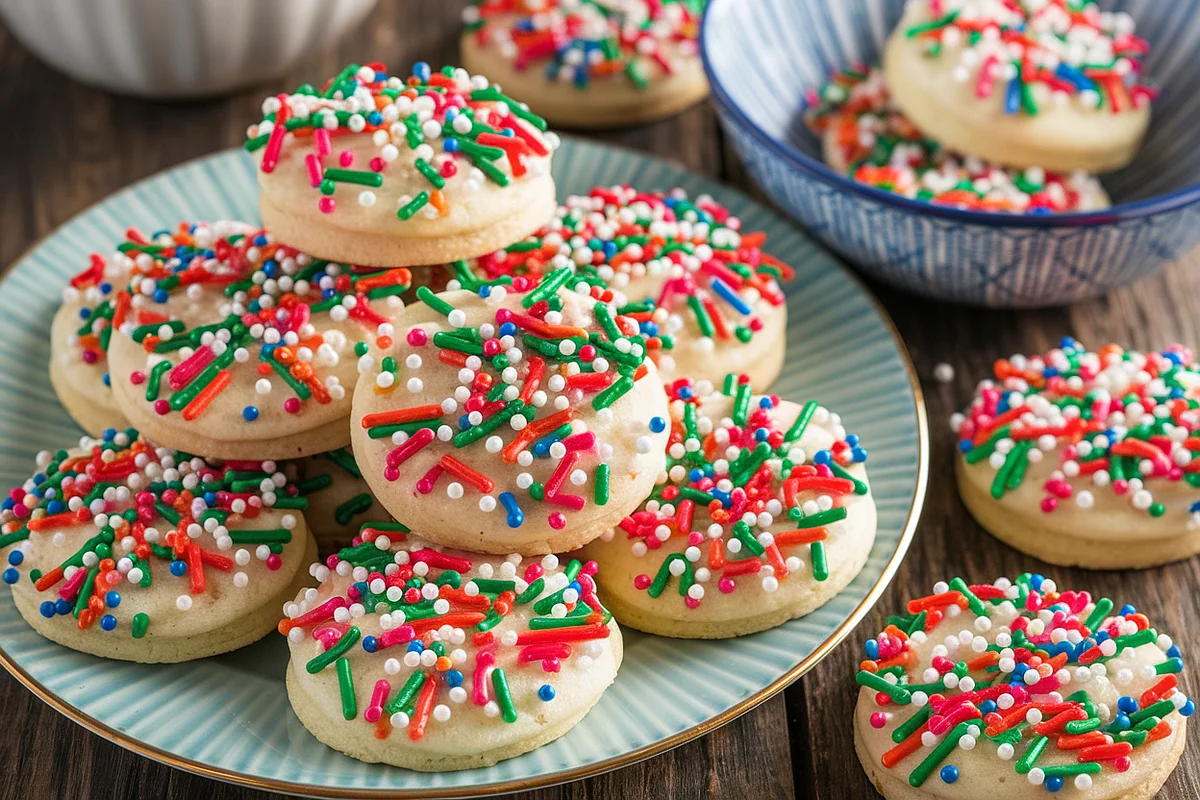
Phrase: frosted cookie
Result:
[504,421]
[1086,459]
[339,500]
[863,135]
[582,64]
[254,360]
[443,660]
[762,516]
[1022,84]
[96,302]
[691,277]
[379,169]
[1012,690]
[129,551]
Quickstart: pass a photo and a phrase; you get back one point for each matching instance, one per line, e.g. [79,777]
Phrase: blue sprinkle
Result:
[761,434]
[178,568]
[11,575]
[450,144]
[464,422]
[47,609]
[108,622]
[727,293]
[516,517]
[1173,358]
[1120,723]
[112,599]
[852,439]
[1127,704]
[546,692]
[270,267]
[16,557]
[988,707]
[696,475]
[858,454]
[485,291]
[380,75]
[685,393]
[415,646]
[250,413]
[106,287]
[823,457]
[375,117]
[949,773]
[109,434]
[106,379]
[508,329]
[210,499]
[62,607]
[1050,372]
[648,328]
[370,644]
[1012,98]
[1187,709]
[965,446]
[453,678]
[1174,652]
[423,71]
[260,240]
[724,497]
[161,295]
[658,424]
[1035,581]
[1128,609]
[764,402]
[1068,343]
[871,648]
[1054,783]
[85,313]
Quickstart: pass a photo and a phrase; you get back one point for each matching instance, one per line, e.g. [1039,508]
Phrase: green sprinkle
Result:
[943,749]
[140,623]
[1036,747]
[339,649]
[426,296]
[358,176]
[613,393]
[503,696]
[407,693]
[820,564]
[346,686]
[412,207]
[898,694]
[602,477]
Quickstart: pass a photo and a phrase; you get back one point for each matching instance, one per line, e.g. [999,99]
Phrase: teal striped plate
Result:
[228,717]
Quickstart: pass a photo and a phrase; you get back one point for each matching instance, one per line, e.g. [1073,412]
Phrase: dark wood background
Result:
[64,146]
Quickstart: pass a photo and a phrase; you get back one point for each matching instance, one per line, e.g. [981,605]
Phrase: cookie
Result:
[551,440]
[256,357]
[1022,85]
[607,64]
[441,660]
[130,551]
[1012,690]
[763,515]
[1086,459]
[705,289]
[391,171]
[864,136]
[83,325]
[339,500]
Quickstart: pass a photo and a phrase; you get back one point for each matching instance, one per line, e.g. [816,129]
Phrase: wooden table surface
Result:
[64,146]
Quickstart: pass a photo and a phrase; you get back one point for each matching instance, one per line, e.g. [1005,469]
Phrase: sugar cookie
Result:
[552,440]
[1023,85]
[1012,690]
[604,64]
[692,278]
[339,500]
[763,515]
[863,135]
[390,171]
[441,660]
[254,361]
[129,551]
[1087,459]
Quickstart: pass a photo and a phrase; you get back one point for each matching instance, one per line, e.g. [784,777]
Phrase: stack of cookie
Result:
[587,383]
[991,105]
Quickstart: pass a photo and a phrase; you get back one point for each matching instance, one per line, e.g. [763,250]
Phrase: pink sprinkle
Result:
[326,205]
[691,602]
[1049,504]
[1120,486]
[417,337]
[878,719]
[322,142]
[292,405]
[377,164]
[90,357]
[557,520]
[449,170]
[391,474]
[641,582]
[274,562]
[137,378]
[345,158]
[162,407]
[726,585]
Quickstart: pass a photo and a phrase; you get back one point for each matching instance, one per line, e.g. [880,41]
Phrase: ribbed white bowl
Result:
[177,48]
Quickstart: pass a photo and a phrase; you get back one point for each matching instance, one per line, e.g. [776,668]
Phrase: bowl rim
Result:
[819,170]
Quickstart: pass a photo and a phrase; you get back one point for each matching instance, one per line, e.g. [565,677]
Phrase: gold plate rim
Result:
[577,773]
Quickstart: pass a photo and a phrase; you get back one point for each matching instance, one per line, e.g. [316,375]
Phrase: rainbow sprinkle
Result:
[526,374]
[1039,52]
[1118,420]
[480,134]
[263,299]
[580,42]
[444,629]
[1004,679]
[685,267]
[761,494]
[142,506]
[880,147]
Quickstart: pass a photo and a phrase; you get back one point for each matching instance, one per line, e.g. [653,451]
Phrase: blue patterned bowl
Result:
[762,55]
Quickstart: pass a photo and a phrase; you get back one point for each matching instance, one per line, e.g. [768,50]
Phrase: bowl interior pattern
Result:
[763,55]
